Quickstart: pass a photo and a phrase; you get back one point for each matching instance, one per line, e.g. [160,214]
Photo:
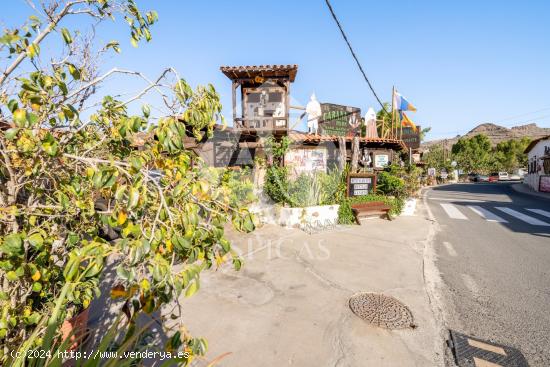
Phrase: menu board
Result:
[544,184]
[360,184]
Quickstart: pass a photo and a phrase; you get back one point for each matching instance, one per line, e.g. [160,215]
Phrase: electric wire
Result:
[354,55]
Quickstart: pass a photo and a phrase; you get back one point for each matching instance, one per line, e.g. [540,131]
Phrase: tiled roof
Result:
[266,71]
[303,137]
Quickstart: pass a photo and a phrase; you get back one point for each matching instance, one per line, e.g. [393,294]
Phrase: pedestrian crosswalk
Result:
[499,214]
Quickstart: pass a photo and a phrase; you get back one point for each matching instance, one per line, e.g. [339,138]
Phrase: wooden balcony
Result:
[261,124]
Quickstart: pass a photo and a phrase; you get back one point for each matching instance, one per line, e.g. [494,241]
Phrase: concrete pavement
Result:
[288,306]
[493,252]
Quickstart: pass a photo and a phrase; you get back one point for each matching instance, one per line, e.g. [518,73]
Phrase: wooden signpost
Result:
[361,184]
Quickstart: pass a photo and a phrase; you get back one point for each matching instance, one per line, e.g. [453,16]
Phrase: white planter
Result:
[321,215]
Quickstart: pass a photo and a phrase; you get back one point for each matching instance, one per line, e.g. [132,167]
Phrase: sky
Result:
[460,63]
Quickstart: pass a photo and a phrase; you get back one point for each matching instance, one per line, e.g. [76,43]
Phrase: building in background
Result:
[538,167]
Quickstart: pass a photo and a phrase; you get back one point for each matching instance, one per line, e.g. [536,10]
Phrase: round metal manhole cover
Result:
[380,310]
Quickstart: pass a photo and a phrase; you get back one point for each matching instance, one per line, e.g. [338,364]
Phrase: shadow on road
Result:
[514,200]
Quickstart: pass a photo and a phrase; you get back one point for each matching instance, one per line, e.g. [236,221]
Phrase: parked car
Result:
[515,177]
[493,177]
[503,176]
[481,178]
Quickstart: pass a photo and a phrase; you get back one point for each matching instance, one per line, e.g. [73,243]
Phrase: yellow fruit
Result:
[36,276]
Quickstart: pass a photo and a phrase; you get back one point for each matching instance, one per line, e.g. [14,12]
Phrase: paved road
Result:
[493,252]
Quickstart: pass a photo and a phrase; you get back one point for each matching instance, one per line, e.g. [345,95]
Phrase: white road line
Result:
[470,283]
[453,212]
[460,200]
[540,212]
[523,217]
[487,215]
[450,249]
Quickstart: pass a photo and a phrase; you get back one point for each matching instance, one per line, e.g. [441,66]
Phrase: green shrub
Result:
[276,184]
[345,214]
[240,185]
[389,184]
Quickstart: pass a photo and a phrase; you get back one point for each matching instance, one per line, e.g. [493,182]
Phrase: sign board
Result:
[339,120]
[431,171]
[544,183]
[381,160]
[360,184]
[410,137]
[306,160]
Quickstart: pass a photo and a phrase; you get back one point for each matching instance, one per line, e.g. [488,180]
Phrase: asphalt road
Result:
[493,252]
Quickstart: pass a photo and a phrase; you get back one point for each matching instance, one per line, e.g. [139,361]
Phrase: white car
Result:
[515,177]
[503,176]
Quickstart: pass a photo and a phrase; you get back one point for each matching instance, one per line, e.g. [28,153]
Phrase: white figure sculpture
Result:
[313,110]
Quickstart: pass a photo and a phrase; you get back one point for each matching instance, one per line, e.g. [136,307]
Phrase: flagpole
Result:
[392,110]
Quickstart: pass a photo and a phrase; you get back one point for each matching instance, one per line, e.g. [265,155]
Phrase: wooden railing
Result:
[261,124]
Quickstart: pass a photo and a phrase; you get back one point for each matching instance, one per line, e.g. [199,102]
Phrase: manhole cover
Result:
[380,310]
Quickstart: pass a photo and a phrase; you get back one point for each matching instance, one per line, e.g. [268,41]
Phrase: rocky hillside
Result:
[497,133]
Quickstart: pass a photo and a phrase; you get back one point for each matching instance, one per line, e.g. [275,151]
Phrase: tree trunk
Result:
[355,154]
[342,149]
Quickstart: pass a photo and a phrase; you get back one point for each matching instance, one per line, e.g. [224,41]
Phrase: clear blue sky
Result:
[460,63]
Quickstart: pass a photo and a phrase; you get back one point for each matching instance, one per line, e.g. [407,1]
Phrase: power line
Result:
[353,54]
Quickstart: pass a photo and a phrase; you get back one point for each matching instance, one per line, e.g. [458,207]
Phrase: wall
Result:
[532,177]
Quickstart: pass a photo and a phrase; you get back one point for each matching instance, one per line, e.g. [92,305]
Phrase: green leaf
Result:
[36,287]
[73,70]
[36,240]
[133,197]
[12,133]
[12,245]
[33,50]
[192,288]
[12,105]
[12,276]
[114,45]
[122,272]
[146,110]
[66,36]
[133,41]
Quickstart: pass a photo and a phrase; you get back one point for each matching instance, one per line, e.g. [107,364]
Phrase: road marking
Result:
[523,217]
[453,212]
[540,212]
[470,283]
[487,215]
[483,363]
[463,200]
[487,347]
[450,248]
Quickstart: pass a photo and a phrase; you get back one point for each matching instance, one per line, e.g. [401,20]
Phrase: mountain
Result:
[496,134]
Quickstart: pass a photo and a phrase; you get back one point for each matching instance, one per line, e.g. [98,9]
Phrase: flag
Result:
[406,121]
[401,104]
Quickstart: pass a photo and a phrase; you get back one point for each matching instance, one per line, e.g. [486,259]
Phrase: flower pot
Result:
[75,329]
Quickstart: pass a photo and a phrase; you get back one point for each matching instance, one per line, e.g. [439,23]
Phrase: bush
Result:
[240,186]
[276,184]
[345,214]
[389,184]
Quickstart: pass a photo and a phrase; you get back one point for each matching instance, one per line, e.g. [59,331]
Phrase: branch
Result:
[23,55]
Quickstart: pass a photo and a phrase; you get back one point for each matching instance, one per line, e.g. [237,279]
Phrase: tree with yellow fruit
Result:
[69,177]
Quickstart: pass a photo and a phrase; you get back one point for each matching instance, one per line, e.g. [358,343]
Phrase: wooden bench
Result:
[371,208]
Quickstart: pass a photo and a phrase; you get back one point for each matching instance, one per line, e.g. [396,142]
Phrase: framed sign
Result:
[431,171]
[381,160]
[411,137]
[339,120]
[360,184]
[306,160]
[544,183]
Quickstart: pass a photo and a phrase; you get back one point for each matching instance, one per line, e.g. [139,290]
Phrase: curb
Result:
[520,189]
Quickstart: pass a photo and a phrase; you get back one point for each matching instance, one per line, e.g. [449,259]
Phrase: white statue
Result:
[313,110]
